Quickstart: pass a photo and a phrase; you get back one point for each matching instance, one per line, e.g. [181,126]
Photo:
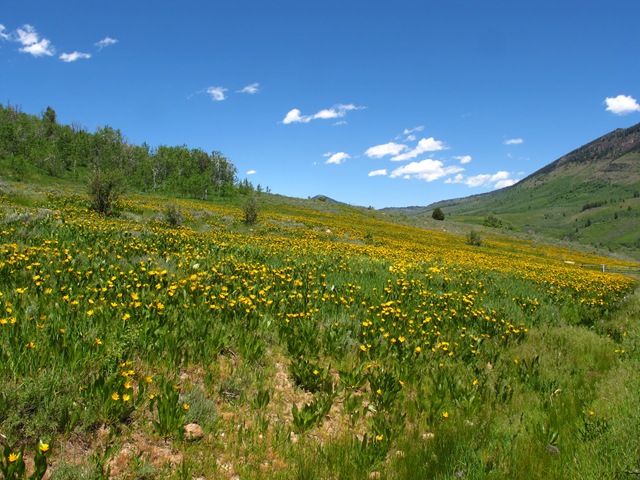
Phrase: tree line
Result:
[39,144]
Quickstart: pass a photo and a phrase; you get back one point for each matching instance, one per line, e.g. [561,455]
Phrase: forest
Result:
[39,145]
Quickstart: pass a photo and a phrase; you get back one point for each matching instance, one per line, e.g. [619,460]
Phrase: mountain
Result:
[590,195]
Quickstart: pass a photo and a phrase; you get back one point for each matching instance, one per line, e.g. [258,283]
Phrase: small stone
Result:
[193,432]
[553,450]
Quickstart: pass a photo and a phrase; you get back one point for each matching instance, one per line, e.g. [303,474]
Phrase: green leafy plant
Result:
[311,414]
[170,412]
[104,191]
[474,239]
[13,467]
[308,375]
[368,451]
[385,386]
[262,399]
[173,215]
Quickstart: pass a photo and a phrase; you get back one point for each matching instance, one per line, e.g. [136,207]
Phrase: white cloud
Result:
[378,173]
[424,145]
[380,151]
[497,180]
[338,158]
[251,172]
[407,131]
[337,111]
[513,141]
[31,42]
[507,182]
[217,93]
[622,105]
[250,89]
[427,170]
[2,34]
[105,42]
[293,116]
[463,158]
[72,57]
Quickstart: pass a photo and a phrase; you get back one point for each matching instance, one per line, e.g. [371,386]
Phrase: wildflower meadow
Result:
[322,341]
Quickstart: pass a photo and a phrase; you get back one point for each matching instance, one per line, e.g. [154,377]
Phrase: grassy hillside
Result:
[321,342]
[590,196]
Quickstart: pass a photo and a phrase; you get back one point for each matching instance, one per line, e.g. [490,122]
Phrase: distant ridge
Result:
[324,198]
[611,146]
[590,195]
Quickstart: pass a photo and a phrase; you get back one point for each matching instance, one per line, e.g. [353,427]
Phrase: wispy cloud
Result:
[513,141]
[500,179]
[408,131]
[31,42]
[72,57]
[378,173]
[424,145]
[337,158]
[428,170]
[217,93]
[383,150]
[250,89]
[463,159]
[251,172]
[622,105]
[337,111]
[105,42]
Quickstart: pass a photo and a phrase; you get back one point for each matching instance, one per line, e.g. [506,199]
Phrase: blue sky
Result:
[374,103]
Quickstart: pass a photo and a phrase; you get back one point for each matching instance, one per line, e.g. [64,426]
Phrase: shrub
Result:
[173,215]
[492,221]
[438,214]
[250,210]
[104,191]
[474,239]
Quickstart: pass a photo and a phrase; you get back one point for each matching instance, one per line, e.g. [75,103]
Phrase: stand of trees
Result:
[31,143]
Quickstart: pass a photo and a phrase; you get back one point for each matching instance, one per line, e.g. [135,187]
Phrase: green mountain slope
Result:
[591,195]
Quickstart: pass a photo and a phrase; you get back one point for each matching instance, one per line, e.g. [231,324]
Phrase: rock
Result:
[193,432]
[553,450]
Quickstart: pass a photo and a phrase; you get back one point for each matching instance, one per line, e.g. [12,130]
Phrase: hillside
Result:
[590,196]
[323,341]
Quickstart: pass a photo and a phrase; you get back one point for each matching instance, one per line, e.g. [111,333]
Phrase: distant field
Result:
[322,342]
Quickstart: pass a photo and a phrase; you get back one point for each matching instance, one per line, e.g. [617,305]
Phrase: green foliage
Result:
[12,464]
[104,190]
[309,375]
[474,238]
[437,214]
[311,414]
[456,361]
[250,210]
[170,412]
[492,221]
[32,144]
[173,215]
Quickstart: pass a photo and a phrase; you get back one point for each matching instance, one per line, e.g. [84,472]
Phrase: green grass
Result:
[373,349]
